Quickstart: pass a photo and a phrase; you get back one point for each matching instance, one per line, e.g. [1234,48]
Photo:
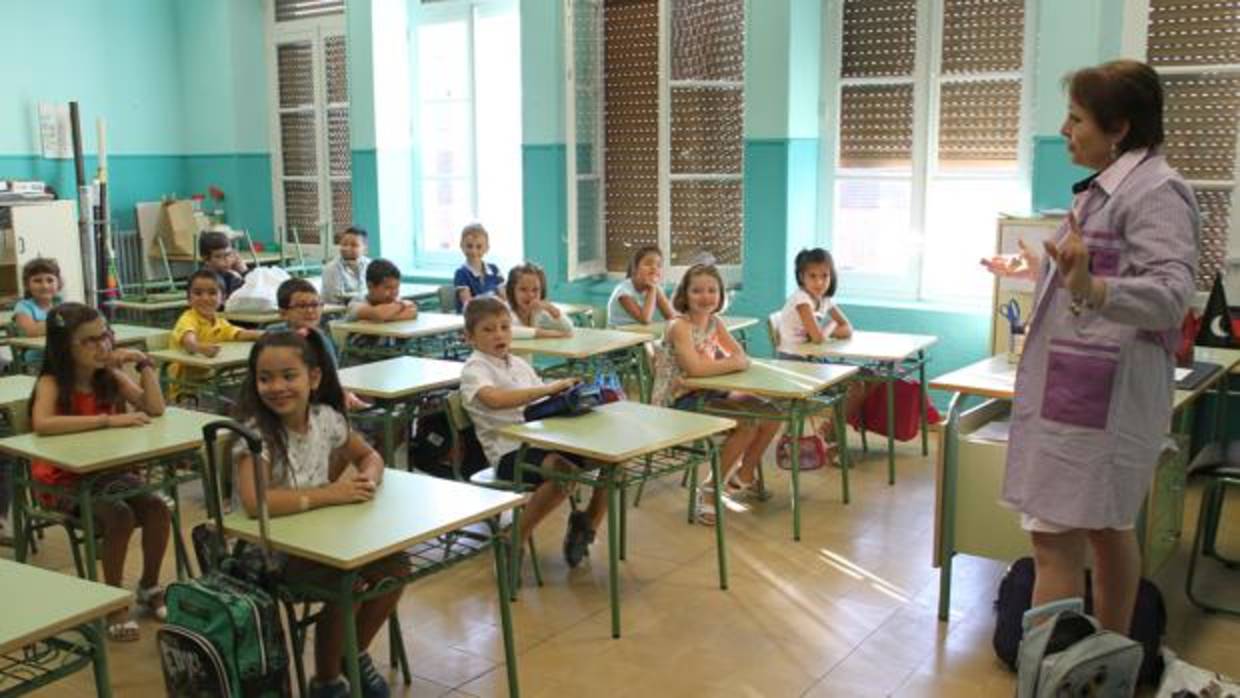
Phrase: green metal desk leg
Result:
[890,379]
[921,380]
[841,438]
[613,547]
[797,425]
[178,543]
[344,597]
[624,519]
[99,658]
[87,515]
[1220,430]
[947,516]
[720,539]
[514,560]
[21,499]
[504,551]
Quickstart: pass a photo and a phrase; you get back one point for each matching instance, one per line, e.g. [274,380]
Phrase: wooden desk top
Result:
[400,377]
[424,325]
[574,308]
[774,378]
[408,509]
[271,317]
[85,452]
[584,343]
[44,603]
[418,291]
[868,346]
[15,390]
[995,376]
[656,329]
[231,354]
[125,335]
[619,431]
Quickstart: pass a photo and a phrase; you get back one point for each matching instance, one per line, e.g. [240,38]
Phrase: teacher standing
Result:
[1095,382]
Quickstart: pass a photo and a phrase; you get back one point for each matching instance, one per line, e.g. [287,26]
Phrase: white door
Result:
[51,230]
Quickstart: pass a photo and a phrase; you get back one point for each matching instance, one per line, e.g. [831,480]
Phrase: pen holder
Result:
[1016,344]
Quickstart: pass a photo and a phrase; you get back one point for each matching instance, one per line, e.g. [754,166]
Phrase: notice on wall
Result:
[55,132]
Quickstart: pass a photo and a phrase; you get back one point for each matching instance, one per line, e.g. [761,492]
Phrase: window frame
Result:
[927,79]
[435,12]
[316,29]
[1135,45]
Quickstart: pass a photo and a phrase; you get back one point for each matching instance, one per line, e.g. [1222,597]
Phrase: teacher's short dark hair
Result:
[1118,91]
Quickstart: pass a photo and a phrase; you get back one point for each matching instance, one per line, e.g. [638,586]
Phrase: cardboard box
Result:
[179,228]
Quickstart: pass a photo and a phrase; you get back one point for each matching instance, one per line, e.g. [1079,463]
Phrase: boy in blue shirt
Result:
[475,277]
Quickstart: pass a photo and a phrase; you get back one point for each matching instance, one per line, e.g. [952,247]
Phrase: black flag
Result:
[1216,328]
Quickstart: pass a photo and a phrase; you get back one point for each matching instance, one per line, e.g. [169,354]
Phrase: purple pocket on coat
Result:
[1104,261]
[1079,385]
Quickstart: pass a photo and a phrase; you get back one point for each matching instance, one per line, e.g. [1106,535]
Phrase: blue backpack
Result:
[1068,655]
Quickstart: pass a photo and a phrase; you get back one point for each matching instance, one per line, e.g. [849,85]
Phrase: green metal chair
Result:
[1221,470]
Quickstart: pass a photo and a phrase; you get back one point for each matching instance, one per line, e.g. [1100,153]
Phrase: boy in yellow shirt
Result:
[201,329]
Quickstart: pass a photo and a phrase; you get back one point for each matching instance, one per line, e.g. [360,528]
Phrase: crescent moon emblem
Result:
[1216,327]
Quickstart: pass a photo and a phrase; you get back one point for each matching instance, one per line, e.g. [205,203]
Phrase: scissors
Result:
[1011,311]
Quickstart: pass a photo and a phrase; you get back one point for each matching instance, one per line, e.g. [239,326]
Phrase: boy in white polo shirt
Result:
[495,388]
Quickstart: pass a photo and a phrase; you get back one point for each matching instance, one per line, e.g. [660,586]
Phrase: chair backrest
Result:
[458,418]
[447,299]
[772,329]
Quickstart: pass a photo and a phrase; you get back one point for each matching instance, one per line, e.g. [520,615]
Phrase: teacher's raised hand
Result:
[1022,265]
[1072,257]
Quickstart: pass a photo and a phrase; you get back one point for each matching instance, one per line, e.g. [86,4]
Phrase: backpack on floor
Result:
[223,637]
[434,450]
[1149,618]
[1068,655]
[907,410]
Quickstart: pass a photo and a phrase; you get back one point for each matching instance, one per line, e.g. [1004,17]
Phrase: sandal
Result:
[705,509]
[150,600]
[124,631]
[739,489]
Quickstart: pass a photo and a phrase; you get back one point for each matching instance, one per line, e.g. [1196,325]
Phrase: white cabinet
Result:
[43,229]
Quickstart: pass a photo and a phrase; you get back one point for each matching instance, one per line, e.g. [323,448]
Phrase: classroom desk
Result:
[123,335]
[734,323]
[583,314]
[398,386]
[968,518]
[417,292]
[271,317]
[14,395]
[591,350]
[891,356]
[37,646]
[408,336]
[229,364]
[797,389]
[408,511]
[94,454]
[151,311]
[248,256]
[622,432]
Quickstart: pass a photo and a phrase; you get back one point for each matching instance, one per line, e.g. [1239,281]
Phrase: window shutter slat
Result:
[1193,32]
[288,10]
[705,43]
[301,209]
[880,38]
[1215,208]
[979,123]
[1200,116]
[982,36]
[295,74]
[707,130]
[876,126]
[707,222]
[336,62]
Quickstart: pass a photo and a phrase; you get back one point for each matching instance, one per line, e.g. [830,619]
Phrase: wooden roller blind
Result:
[707,40]
[979,123]
[1215,208]
[879,38]
[1193,32]
[983,36]
[631,83]
[876,126]
[287,10]
[1199,118]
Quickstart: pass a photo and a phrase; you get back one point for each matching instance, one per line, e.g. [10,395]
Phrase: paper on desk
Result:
[994,432]
[1182,373]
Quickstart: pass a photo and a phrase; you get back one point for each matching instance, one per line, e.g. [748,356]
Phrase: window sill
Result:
[956,308]
[429,275]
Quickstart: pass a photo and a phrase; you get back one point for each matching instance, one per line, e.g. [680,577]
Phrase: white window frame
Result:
[1135,44]
[316,30]
[579,268]
[927,80]
[431,12]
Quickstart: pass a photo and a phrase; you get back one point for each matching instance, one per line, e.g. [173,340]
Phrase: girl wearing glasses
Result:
[82,387]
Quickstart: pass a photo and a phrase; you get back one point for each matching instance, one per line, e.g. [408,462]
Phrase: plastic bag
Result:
[258,294]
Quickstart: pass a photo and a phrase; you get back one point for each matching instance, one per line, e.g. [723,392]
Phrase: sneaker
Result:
[578,538]
[373,683]
[332,689]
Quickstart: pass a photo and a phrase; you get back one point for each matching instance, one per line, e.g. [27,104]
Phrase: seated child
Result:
[697,344]
[83,386]
[302,311]
[201,328]
[292,399]
[527,298]
[41,283]
[640,297]
[382,302]
[495,388]
[344,278]
[475,277]
[218,255]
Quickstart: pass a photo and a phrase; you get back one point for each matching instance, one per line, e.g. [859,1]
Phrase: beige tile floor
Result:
[848,611]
